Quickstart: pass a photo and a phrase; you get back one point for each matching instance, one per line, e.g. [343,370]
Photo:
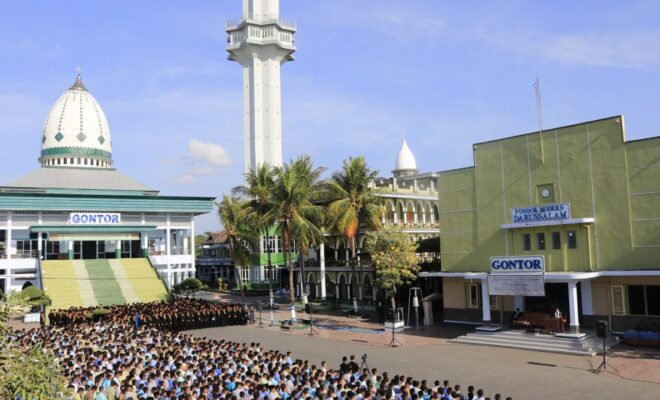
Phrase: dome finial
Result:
[78,85]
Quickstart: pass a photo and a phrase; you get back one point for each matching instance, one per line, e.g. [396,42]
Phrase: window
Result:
[636,300]
[493,302]
[572,240]
[653,300]
[71,161]
[556,241]
[65,160]
[473,295]
[540,241]
[618,302]
[527,241]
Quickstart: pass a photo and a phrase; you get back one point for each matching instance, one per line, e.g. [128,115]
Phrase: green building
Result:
[569,216]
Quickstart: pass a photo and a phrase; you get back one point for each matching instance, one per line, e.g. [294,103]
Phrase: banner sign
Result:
[547,212]
[517,265]
[95,218]
[516,285]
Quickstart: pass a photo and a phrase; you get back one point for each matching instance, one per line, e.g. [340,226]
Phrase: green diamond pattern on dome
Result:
[81,136]
[58,137]
[101,139]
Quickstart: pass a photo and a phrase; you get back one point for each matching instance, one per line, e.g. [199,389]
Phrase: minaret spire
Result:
[261,42]
[78,85]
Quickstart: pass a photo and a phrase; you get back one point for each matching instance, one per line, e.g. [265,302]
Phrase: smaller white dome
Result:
[405,160]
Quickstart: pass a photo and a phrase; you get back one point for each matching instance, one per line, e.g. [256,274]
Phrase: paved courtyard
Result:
[428,354]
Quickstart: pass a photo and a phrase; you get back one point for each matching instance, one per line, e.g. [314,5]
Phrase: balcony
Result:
[262,19]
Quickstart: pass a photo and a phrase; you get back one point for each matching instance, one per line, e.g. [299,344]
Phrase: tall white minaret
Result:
[260,41]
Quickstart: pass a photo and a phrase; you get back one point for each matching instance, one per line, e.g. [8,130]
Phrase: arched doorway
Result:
[311,285]
[367,288]
[26,285]
[355,287]
[329,287]
[343,293]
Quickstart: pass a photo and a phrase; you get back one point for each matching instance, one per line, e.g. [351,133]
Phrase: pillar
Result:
[573,307]
[587,299]
[192,242]
[322,268]
[40,245]
[145,245]
[8,238]
[70,249]
[118,249]
[485,301]
[168,241]
[337,289]
[519,303]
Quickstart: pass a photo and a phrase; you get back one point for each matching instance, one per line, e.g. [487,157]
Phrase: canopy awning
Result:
[97,229]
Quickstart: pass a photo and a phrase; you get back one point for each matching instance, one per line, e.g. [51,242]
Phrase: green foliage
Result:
[353,203]
[32,293]
[394,259]
[188,286]
[31,373]
[97,313]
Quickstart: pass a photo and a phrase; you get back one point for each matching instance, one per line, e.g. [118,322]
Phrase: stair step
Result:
[522,346]
[530,339]
[526,343]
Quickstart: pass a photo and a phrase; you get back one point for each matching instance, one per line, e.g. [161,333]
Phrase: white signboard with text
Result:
[88,218]
[516,285]
[541,213]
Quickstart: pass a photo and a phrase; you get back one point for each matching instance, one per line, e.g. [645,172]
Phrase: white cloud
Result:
[203,159]
[185,179]
[208,152]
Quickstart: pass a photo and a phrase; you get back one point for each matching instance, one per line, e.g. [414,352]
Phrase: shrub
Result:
[32,293]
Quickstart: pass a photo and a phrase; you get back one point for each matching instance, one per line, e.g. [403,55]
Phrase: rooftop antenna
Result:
[78,69]
[539,114]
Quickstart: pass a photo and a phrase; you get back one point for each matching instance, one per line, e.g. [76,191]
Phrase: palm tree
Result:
[297,187]
[353,202]
[240,233]
[258,189]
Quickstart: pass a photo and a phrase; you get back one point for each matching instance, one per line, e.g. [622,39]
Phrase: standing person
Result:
[137,320]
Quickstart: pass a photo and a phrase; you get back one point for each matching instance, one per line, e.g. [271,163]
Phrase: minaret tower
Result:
[260,41]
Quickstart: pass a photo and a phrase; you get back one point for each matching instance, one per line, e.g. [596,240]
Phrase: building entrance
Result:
[556,295]
[89,250]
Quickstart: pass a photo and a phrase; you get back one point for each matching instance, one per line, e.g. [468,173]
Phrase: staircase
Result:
[588,345]
[146,284]
[85,283]
[60,283]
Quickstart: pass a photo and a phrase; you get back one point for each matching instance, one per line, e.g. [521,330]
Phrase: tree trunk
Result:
[287,261]
[237,270]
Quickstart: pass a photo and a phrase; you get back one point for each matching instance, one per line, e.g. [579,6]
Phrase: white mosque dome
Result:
[76,132]
[405,160]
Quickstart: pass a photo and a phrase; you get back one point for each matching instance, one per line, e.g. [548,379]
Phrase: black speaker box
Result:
[601,329]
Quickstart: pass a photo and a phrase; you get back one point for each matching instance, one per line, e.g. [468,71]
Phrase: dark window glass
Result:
[572,240]
[527,241]
[556,241]
[540,241]
[653,300]
[636,300]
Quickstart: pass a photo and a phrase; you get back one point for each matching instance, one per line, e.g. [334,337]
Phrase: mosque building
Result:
[83,231]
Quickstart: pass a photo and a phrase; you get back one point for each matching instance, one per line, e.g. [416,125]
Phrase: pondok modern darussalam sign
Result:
[541,213]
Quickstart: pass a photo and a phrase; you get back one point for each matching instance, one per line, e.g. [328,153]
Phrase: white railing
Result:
[173,259]
[261,18]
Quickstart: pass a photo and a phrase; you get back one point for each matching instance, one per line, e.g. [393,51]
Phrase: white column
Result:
[485,301]
[424,214]
[587,299]
[40,245]
[8,238]
[337,290]
[519,303]
[347,255]
[192,241]
[361,292]
[573,306]
[322,268]
[168,239]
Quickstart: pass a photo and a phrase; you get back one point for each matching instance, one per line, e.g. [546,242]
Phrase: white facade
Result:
[261,42]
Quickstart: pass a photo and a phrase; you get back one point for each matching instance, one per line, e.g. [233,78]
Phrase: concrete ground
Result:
[428,354]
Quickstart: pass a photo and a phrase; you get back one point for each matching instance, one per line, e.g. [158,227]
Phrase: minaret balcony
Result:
[235,24]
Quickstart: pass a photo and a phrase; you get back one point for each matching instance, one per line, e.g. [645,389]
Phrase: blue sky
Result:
[368,72]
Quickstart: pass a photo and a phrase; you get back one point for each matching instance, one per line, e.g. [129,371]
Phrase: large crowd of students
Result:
[175,315]
[114,359]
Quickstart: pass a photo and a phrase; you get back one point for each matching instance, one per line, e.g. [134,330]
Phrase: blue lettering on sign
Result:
[549,212]
[91,218]
[517,264]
